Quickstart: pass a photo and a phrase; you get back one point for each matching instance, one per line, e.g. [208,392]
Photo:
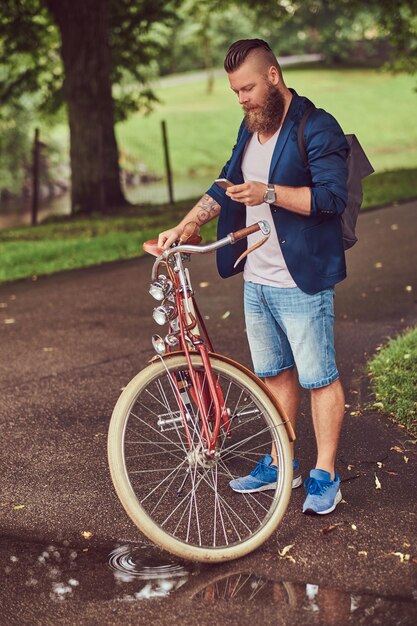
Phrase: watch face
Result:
[270,196]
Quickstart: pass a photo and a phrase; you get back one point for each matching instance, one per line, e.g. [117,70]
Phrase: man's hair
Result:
[239,51]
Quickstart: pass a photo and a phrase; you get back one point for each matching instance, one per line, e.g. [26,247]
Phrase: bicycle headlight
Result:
[158,344]
[160,288]
[163,313]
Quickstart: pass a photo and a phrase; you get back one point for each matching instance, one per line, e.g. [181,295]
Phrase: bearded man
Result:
[289,281]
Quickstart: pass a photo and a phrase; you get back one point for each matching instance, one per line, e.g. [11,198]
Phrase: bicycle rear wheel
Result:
[175,495]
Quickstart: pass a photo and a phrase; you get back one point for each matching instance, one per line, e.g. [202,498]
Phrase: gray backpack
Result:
[358,168]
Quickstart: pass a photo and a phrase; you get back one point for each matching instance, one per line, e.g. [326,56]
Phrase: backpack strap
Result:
[300,133]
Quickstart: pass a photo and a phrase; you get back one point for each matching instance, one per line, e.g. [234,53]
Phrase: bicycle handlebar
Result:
[231,238]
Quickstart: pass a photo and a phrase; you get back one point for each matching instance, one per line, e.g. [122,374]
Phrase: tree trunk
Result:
[85,51]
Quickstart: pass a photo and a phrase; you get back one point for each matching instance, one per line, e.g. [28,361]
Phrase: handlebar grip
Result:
[244,232]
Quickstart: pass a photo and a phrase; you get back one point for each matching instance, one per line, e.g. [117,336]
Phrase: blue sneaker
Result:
[264,477]
[323,494]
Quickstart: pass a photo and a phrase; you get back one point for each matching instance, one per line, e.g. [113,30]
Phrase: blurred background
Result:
[107,104]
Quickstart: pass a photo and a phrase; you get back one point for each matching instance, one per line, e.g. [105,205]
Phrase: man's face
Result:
[259,95]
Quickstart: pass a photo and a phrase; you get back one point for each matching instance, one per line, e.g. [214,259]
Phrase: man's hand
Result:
[168,237]
[250,193]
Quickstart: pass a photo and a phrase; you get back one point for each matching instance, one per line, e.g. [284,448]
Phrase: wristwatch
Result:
[270,196]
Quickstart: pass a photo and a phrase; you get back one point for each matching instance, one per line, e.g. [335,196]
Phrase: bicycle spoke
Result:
[181,487]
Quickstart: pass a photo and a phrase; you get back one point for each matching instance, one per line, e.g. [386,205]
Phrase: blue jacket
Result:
[312,245]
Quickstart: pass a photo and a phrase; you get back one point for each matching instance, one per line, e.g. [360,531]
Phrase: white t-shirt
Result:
[265,265]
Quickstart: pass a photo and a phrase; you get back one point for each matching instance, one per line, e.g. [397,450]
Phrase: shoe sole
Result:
[297,482]
[337,499]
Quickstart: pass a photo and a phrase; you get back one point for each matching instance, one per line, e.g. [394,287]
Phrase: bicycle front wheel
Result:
[177,496]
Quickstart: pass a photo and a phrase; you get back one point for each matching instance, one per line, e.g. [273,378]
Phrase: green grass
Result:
[65,244]
[378,107]
[394,379]
[387,187]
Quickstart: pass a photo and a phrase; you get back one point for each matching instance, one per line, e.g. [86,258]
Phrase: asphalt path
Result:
[70,342]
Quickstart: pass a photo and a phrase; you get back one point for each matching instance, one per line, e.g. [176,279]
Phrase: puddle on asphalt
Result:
[60,574]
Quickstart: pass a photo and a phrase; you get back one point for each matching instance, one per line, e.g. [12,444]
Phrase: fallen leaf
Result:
[3,305]
[378,405]
[406,459]
[363,553]
[19,506]
[403,557]
[394,226]
[406,544]
[9,320]
[354,527]
[87,534]
[379,464]
[413,441]
[285,550]
[377,483]
[204,284]
[347,406]
[12,297]
[378,265]
[408,288]
[397,449]
[391,473]
[355,413]
[225,315]
[329,529]
[85,549]
[350,467]
[47,349]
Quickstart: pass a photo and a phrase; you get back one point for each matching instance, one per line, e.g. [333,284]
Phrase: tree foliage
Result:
[30,60]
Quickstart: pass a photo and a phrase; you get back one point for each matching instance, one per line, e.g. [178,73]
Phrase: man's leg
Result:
[327,407]
[286,389]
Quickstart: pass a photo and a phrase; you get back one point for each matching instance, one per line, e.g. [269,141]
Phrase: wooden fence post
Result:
[167,161]
[35,178]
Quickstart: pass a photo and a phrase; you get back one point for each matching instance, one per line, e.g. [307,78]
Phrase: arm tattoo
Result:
[207,209]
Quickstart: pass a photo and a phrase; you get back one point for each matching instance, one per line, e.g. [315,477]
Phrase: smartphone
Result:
[223,183]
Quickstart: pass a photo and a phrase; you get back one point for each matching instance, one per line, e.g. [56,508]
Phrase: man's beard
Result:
[266,119]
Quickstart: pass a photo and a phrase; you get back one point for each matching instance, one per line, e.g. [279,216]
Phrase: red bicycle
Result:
[191,421]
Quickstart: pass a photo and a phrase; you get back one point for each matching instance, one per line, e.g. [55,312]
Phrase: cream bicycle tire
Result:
[235,376]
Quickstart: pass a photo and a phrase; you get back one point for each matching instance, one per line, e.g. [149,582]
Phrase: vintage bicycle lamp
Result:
[160,288]
[164,313]
[158,344]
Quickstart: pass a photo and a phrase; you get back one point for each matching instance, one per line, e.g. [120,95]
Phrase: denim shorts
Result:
[288,327]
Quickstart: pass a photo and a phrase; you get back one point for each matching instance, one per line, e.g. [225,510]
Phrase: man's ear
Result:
[273,75]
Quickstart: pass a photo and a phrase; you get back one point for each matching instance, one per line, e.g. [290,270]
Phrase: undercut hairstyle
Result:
[240,50]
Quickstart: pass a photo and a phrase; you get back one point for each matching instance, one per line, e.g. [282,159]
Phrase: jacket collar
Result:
[294,113]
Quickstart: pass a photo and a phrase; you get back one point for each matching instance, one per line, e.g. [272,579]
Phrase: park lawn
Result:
[394,380]
[65,243]
[378,107]
[69,243]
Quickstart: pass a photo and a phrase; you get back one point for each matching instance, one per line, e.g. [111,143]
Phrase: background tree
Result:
[75,51]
